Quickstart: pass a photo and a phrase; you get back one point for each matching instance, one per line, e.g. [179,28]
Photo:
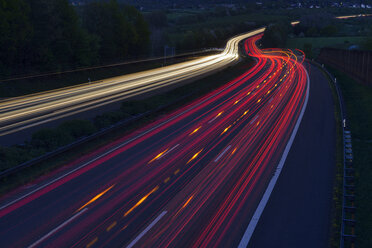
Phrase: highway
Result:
[194,178]
[20,113]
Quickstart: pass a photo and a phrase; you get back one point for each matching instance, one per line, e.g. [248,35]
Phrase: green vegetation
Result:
[276,35]
[312,45]
[49,35]
[322,30]
[45,140]
[30,85]
[49,139]
[40,36]
[358,100]
[122,32]
[197,30]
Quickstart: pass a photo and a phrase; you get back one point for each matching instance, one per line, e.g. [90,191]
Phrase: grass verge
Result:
[358,101]
[316,43]
[192,91]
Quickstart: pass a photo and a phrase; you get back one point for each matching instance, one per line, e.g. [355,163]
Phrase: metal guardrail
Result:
[347,235]
[103,66]
[65,148]
[100,133]
[85,139]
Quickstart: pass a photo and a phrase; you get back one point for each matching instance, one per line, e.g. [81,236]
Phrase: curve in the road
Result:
[193,178]
[24,112]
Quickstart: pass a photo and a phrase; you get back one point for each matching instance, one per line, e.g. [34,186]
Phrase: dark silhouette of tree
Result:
[276,35]
[141,40]
[48,35]
[120,31]
[16,31]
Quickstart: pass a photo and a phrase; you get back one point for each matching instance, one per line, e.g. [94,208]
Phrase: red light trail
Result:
[192,178]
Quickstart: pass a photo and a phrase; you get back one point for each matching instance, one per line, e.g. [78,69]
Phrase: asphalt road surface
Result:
[20,113]
[193,178]
[298,212]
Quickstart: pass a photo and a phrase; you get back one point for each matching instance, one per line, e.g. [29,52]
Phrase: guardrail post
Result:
[347,233]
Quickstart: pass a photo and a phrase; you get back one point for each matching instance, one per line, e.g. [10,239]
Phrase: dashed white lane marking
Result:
[261,206]
[222,153]
[57,228]
[131,244]
[174,147]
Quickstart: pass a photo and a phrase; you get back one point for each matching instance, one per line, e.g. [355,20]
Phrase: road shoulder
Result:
[298,211]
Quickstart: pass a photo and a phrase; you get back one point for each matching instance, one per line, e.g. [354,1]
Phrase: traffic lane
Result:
[22,132]
[298,211]
[189,236]
[88,178]
[14,121]
[30,100]
[123,234]
[65,238]
[228,56]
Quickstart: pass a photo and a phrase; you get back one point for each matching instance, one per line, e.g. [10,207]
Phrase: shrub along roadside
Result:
[49,139]
[358,101]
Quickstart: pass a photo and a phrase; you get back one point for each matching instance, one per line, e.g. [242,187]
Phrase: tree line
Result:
[52,35]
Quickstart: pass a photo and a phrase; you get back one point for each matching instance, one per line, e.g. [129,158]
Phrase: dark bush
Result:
[50,139]
[78,128]
[135,107]
[108,119]
[276,35]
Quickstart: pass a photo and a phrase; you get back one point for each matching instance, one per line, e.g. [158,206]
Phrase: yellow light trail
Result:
[92,242]
[188,201]
[194,157]
[167,180]
[232,153]
[226,129]
[158,156]
[95,198]
[141,201]
[197,129]
[113,224]
[22,112]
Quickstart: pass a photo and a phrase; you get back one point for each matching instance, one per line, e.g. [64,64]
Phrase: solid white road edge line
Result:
[57,228]
[261,206]
[131,244]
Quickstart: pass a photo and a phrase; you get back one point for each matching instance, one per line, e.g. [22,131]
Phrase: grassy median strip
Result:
[358,101]
[47,140]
